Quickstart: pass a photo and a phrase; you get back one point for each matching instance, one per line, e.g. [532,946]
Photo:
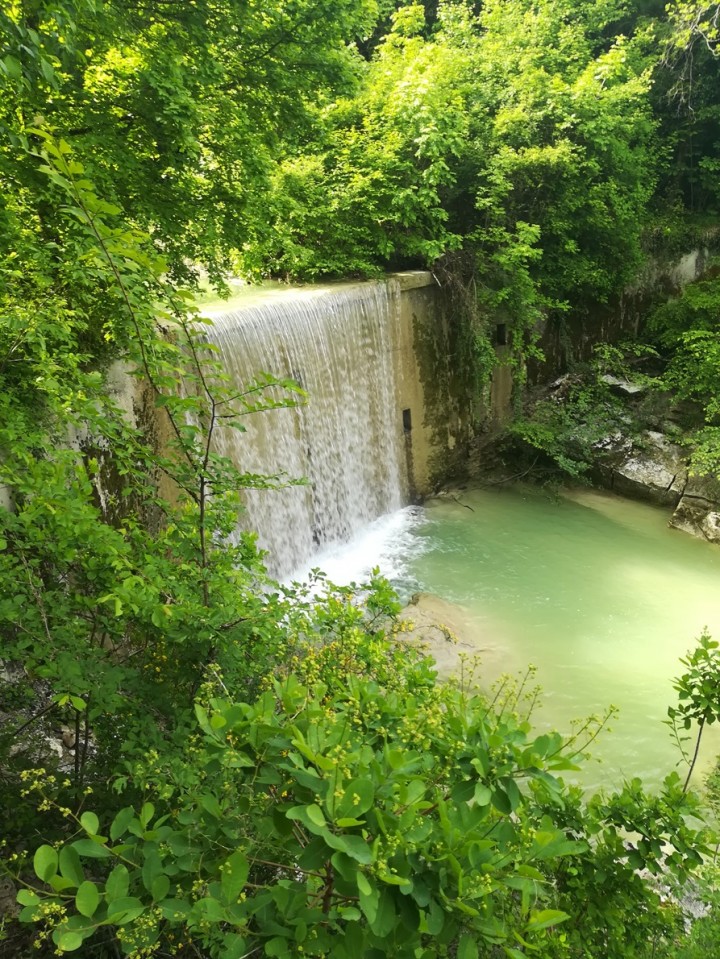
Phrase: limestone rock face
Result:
[698,512]
[652,469]
[655,469]
[710,527]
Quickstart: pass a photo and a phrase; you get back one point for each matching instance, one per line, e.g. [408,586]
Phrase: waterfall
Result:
[346,440]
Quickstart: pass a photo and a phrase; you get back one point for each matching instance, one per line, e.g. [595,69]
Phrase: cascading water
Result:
[346,440]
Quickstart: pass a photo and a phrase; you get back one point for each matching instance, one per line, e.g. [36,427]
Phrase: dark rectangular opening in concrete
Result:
[501,334]
[407,421]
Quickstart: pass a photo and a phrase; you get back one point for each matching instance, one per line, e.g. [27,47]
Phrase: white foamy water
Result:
[389,543]
[346,441]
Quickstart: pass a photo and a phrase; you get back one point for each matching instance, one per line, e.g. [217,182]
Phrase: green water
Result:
[596,591]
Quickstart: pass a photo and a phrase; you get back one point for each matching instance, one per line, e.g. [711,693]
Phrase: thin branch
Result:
[33,719]
[695,756]
[130,309]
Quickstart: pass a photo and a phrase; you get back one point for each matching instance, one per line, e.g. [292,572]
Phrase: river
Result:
[593,589]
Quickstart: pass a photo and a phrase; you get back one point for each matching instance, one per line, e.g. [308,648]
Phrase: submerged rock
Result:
[446,632]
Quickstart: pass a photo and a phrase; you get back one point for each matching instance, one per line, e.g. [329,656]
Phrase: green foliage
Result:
[703,937]
[175,110]
[374,192]
[629,832]
[572,425]
[704,934]
[695,20]
[697,691]
[115,598]
[686,329]
[518,133]
[270,769]
[357,808]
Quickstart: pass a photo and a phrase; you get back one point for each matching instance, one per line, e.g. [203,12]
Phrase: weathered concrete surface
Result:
[434,401]
[572,337]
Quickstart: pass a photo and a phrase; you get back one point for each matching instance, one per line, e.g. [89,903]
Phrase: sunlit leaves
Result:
[421,857]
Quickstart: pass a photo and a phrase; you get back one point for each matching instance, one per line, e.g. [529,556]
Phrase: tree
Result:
[522,133]
[176,109]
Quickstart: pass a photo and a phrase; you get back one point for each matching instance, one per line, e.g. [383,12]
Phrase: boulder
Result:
[623,386]
[698,511]
[654,468]
[651,468]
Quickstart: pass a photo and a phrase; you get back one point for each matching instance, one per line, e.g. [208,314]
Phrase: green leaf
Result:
[384,922]
[391,880]
[90,823]
[12,67]
[435,918]
[501,801]
[152,868]
[363,883]
[87,898]
[61,884]
[209,910]
[463,791]
[550,845]
[211,805]
[483,795]
[369,897]
[67,941]
[160,888]
[350,913]
[121,822]
[512,792]
[234,876]
[26,897]
[91,849]
[310,816]
[70,865]
[467,948]
[175,909]
[546,918]
[30,914]
[344,866]
[45,862]
[233,946]
[277,947]
[117,883]
[146,814]
[315,814]
[358,797]
[354,846]
[122,911]
[47,70]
